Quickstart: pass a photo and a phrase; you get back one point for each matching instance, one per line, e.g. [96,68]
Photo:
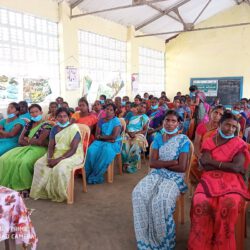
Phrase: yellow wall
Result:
[211,53]
[68,37]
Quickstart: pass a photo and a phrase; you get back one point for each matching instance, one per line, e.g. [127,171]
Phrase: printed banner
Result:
[35,90]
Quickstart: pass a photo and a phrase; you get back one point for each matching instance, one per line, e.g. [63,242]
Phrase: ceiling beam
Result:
[209,1]
[176,11]
[115,8]
[197,29]
[73,5]
[162,13]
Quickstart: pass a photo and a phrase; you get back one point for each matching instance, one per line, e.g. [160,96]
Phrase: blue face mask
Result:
[154,107]
[11,115]
[63,125]
[147,99]
[192,94]
[226,136]
[170,132]
[248,105]
[235,112]
[37,118]
[123,103]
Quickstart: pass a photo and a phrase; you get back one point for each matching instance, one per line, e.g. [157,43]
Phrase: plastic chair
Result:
[118,158]
[180,204]
[85,134]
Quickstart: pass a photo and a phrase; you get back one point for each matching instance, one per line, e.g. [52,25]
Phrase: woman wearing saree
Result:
[16,166]
[221,191]
[135,140]
[98,110]
[156,116]
[154,197]
[51,116]
[10,129]
[204,131]
[52,171]
[106,146]
[83,116]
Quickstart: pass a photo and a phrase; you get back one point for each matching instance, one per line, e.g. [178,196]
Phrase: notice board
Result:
[228,89]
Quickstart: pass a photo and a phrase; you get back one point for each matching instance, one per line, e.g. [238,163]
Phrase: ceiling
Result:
[154,16]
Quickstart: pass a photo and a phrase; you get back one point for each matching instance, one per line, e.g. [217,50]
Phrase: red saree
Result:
[218,200]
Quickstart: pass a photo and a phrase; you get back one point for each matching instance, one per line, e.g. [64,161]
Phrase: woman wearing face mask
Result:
[218,196]
[16,166]
[106,146]
[203,132]
[156,116]
[239,113]
[135,140]
[10,128]
[52,171]
[154,197]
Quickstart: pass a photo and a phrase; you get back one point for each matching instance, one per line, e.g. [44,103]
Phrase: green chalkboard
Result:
[228,89]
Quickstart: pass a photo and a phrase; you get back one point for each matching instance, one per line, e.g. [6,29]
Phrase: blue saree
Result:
[7,144]
[100,153]
[154,198]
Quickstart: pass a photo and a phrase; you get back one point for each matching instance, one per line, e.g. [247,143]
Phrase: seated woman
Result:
[24,111]
[218,196]
[204,131]
[236,110]
[156,116]
[52,171]
[154,197]
[16,166]
[97,110]
[106,146]
[83,116]
[51,116]
[135,139]
[10,128]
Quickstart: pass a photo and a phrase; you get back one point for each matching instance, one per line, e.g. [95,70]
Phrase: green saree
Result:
[17,165]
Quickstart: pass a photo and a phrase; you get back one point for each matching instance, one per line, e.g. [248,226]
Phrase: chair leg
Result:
[110,173]
[176,215]
[84,181]
[70,191]
[182,208]
[119,163]
[139,164]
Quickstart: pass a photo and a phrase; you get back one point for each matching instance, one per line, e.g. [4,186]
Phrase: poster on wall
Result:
[36,90]
[9,89]
[72,78]
[135,84]
[114,84]
[209,87]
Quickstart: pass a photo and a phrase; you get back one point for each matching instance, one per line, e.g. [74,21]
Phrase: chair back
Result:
[124,125]
[190,156]
[85,135]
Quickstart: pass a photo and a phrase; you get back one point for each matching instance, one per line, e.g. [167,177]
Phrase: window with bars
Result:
[103,65]
[151,71]
[28,49]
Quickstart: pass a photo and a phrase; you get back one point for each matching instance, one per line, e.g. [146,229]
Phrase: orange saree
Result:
[89,120]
